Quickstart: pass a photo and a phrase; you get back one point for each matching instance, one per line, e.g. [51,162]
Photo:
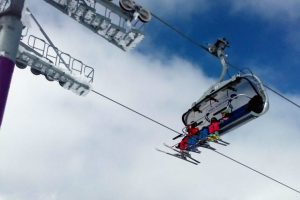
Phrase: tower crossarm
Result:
[106,19]
[40,64]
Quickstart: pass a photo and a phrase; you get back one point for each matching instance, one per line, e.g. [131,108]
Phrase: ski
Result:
[178,136]
[223,141]
[219,142]
[195,150]
[178,156]
[207,146]
[181,153]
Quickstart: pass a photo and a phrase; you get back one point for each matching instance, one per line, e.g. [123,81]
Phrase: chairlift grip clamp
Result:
[218,50]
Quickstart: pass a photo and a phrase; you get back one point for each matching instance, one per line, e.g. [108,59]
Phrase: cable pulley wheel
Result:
[144,15]
[127,5]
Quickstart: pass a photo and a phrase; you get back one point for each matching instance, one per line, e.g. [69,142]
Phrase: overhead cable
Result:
[199,45]
[269,88]
[167,127]
[258,172]
[157,122]
[182,34]
[136,112]
[282,96]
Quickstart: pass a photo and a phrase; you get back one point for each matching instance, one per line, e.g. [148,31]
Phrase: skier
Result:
[191,136]
[214,129]
[225,115]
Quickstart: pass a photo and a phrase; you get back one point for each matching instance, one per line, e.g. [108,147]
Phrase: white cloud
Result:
[56,145]
[176,8]
[172,8]
[269,9]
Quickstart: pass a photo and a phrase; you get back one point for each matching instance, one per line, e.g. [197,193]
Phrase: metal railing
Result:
[47,51]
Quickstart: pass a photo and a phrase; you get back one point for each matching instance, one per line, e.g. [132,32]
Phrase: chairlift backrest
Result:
[233,103]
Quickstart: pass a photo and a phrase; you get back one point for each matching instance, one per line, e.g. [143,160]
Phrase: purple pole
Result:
[10,34]
[6,71]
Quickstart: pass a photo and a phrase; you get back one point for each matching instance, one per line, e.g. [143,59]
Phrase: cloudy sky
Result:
[55,145]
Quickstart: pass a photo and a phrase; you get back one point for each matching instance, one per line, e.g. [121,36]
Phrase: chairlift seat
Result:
[243,95]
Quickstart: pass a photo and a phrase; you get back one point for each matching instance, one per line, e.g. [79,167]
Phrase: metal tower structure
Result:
[44,60]
[10,34]
[42,57]
[120,25]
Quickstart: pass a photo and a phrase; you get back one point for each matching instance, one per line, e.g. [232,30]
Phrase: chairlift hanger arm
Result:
[218,50]
[224,67]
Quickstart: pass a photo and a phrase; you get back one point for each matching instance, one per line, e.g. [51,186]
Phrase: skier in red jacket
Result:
[192,130]
[214,129]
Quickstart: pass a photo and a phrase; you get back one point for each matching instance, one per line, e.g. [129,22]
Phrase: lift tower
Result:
[10,34]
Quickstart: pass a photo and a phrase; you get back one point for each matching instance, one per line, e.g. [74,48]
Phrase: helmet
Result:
[213,119]
[193,124]
[225,113]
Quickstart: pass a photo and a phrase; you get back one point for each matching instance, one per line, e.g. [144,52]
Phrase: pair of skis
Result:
[221,142]
[181,155]
[186,156]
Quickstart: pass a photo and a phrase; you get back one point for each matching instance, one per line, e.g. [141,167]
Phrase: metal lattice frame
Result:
[38,55]
[106,19]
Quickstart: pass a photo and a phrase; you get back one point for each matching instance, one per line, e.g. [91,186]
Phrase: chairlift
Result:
[225,106]
[232,102]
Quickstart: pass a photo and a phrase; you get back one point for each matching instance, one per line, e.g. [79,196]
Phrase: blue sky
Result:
[55,145]
[266,43]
